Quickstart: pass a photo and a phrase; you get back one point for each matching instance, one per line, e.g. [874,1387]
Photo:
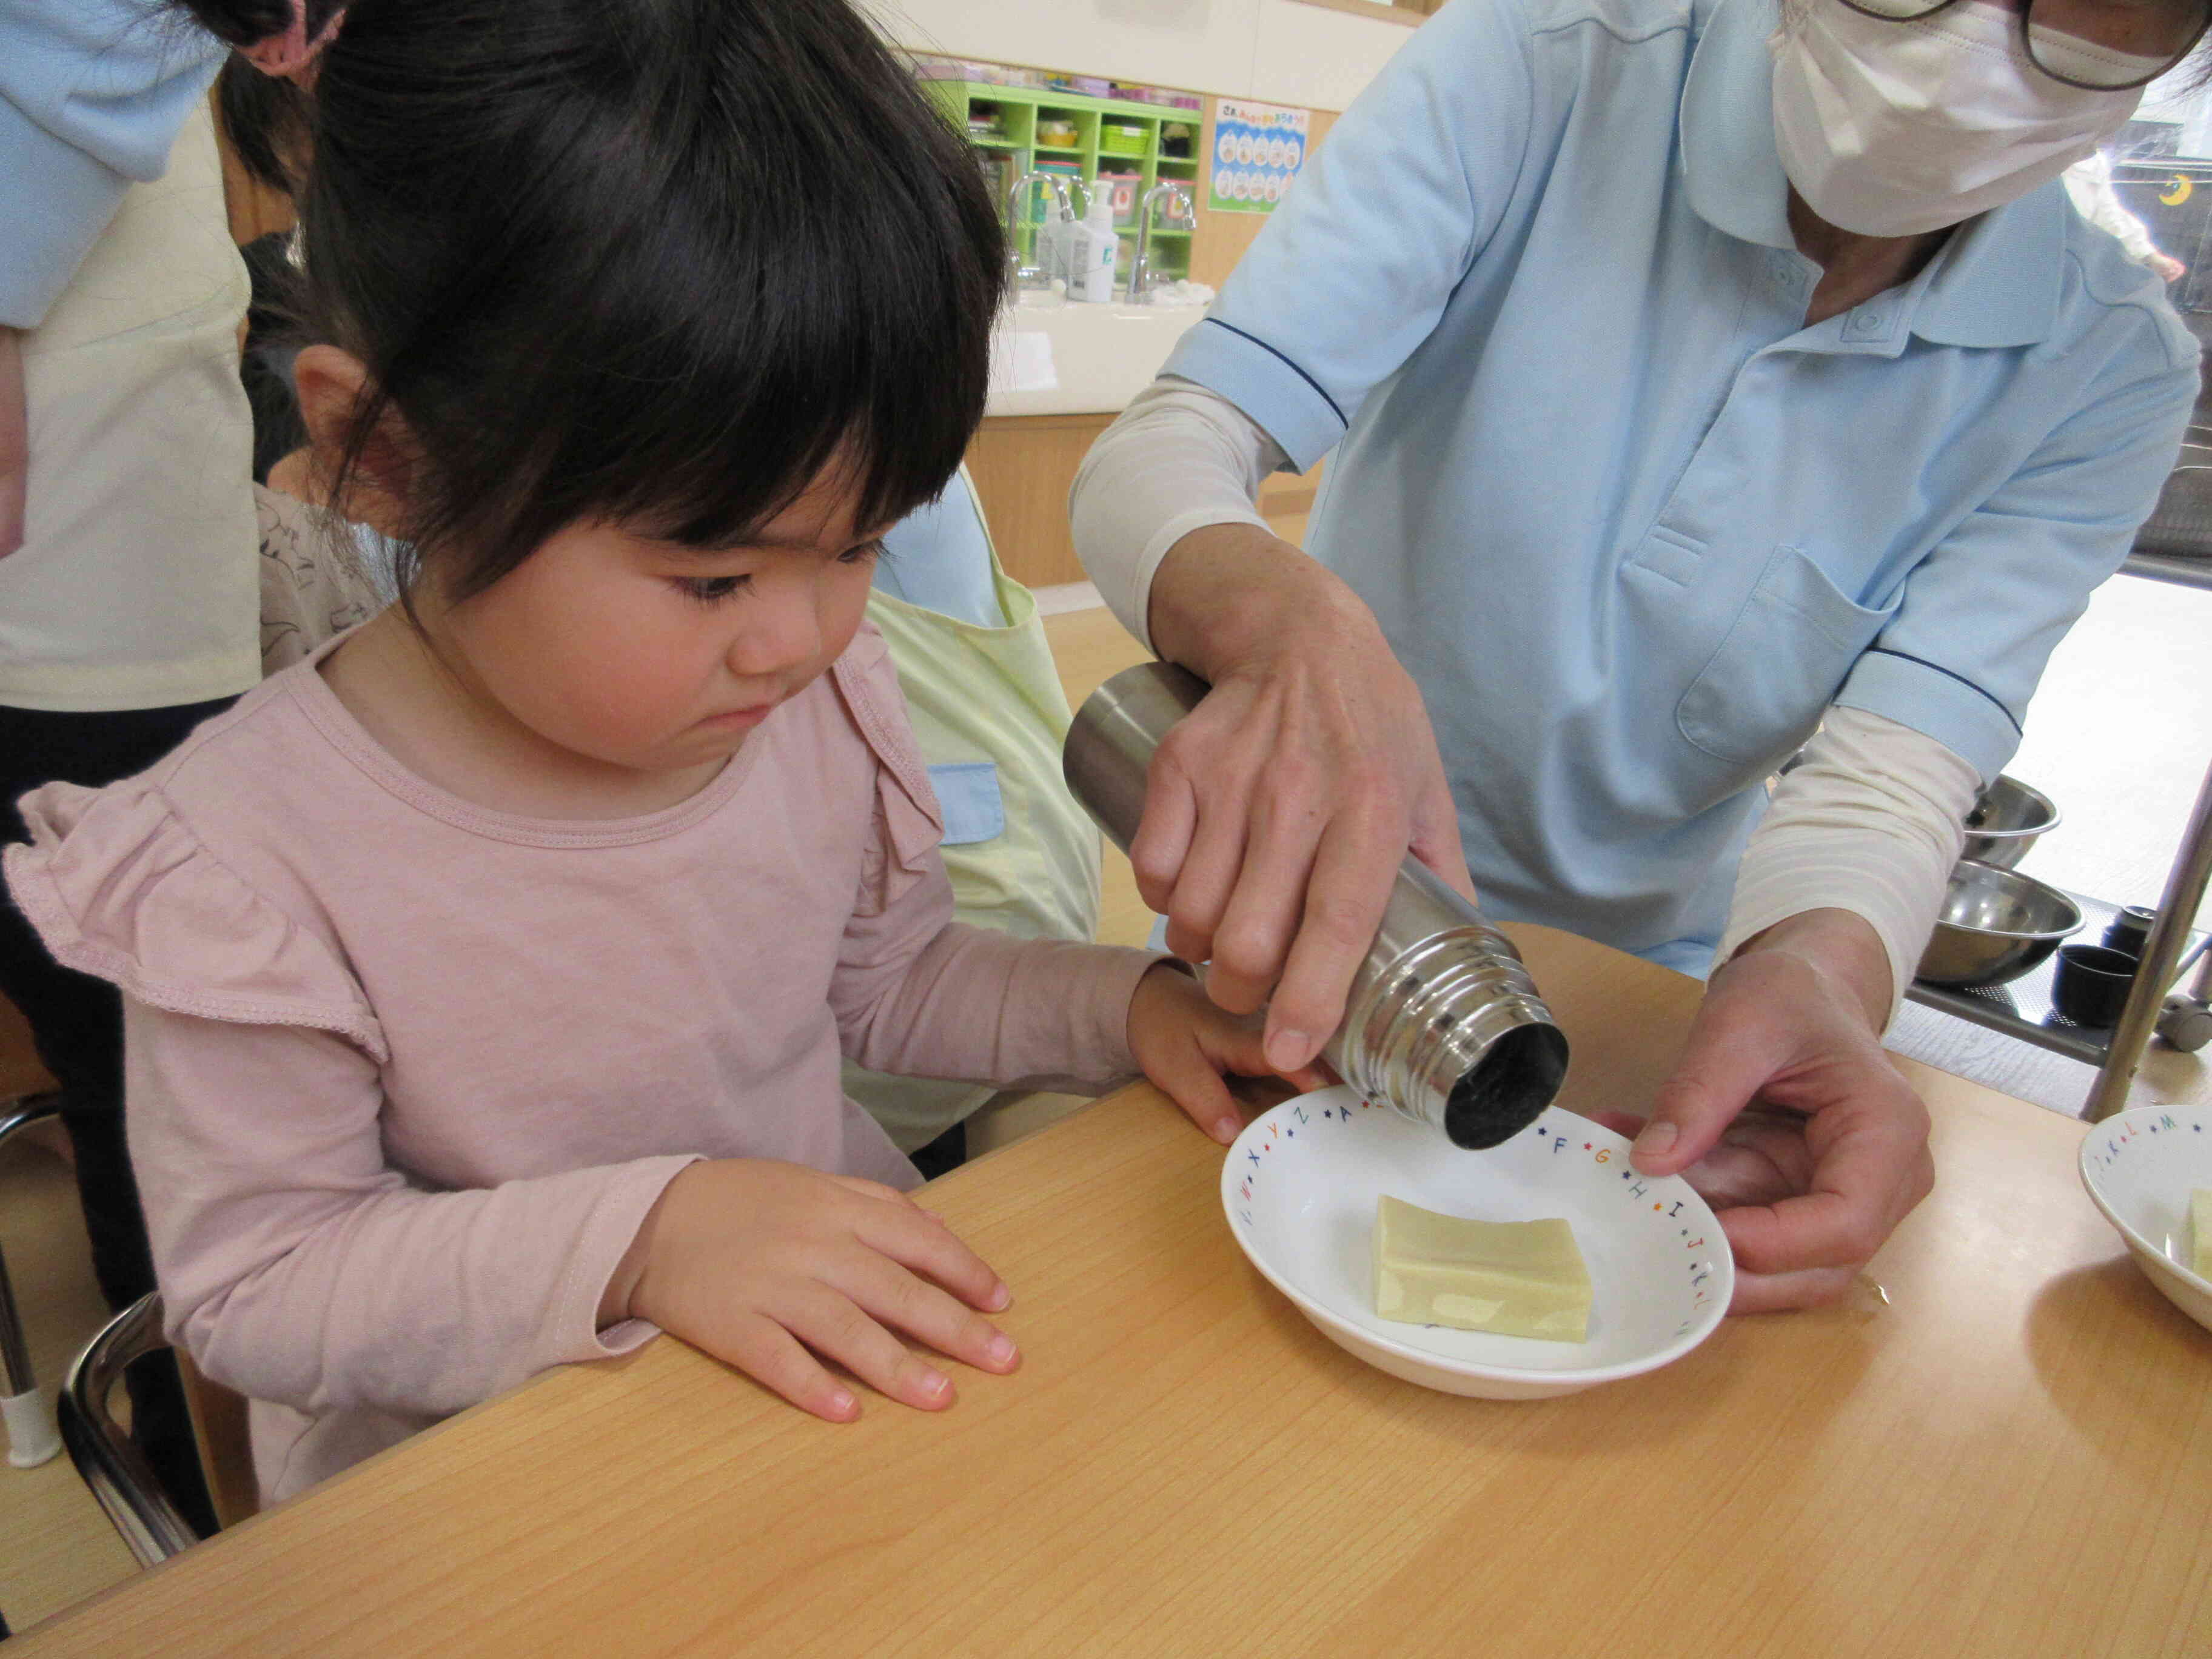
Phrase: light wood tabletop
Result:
[2005,1448]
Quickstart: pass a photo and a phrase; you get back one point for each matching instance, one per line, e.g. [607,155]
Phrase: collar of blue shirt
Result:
[1996,283]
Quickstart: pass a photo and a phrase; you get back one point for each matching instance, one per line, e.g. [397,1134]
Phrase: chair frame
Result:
[117,1473]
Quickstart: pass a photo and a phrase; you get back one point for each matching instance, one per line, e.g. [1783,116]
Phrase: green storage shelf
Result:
[1009,147]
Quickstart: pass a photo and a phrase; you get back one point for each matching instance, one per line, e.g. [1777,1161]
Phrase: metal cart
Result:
[2175,546]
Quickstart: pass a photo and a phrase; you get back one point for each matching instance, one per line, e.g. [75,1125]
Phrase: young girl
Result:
[488,972]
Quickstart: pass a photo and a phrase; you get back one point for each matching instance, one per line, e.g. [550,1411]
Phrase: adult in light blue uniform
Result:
[1632,527]
[1632,524]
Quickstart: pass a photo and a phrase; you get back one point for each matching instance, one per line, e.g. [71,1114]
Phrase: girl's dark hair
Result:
[655,261]
[264,120]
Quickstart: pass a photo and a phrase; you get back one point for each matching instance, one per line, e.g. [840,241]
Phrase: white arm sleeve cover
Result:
[1180,458]
[1871,822]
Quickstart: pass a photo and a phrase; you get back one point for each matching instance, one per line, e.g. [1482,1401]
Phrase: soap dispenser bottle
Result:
[1095,252]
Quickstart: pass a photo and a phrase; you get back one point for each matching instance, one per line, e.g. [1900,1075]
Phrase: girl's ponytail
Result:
[266,117]
[267,122]
[249,23]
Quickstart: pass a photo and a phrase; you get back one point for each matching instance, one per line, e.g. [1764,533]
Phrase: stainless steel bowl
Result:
[1996,924]
[2005,822]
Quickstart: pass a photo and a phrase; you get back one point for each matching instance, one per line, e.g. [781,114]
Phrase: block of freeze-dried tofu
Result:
[2200,1231]
[1514,1277]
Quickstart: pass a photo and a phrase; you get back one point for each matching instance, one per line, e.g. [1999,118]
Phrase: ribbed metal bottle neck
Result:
[1424,1030]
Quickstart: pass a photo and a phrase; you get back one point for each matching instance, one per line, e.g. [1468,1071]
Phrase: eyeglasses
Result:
[2100,45]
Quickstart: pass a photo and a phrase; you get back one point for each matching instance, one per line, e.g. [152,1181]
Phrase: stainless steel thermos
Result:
[1443,1022]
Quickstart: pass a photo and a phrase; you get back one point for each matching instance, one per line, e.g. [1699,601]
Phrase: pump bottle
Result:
[1095,252]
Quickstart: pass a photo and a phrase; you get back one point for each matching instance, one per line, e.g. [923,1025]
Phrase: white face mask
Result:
[1893,129]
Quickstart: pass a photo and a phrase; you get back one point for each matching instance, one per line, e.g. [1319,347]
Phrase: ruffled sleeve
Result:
[903,852]
[119,887]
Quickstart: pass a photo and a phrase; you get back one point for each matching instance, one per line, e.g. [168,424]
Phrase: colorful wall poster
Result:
[1258,150]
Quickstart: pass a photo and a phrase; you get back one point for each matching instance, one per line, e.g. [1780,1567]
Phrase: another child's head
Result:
[680,278]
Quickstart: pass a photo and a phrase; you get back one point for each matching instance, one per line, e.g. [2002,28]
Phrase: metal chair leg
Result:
[25,1411]
[114,1469]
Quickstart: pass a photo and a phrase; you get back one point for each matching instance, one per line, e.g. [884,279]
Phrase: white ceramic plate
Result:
[2139,1166]
[1301,1184]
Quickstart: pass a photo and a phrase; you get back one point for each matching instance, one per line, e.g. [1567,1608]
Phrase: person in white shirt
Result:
[2089,187]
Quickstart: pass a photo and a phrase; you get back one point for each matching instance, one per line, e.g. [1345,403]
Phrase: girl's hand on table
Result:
[1185,1043]
[766,1265]
[1786,1115]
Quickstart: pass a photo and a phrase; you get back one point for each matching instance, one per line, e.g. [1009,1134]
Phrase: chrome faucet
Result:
[1029,275]
[1141,282]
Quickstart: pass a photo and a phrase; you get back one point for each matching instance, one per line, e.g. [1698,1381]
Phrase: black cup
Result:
[2128,930]
[2091,986]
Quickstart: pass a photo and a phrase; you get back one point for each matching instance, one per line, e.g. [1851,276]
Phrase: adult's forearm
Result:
[1842,949]
[1179,458]
[1231,595]
[15,441]
[1164,519]
[1871,823]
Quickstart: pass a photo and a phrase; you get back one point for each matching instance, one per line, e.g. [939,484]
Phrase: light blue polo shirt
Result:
[92,94]
[1630,526]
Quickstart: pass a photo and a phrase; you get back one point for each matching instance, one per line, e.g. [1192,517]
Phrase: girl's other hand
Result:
[1184,1043]
[758,1263]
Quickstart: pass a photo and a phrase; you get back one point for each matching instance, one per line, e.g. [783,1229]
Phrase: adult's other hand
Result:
[1786,1113]
[1277,812]
[14,440]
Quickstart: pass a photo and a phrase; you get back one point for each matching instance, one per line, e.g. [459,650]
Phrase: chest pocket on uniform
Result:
[969,795]
[1781,664]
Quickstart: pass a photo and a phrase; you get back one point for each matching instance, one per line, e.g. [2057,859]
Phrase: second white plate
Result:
[2139,1167]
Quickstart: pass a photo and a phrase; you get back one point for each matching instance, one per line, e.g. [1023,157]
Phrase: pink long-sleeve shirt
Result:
[406,1074]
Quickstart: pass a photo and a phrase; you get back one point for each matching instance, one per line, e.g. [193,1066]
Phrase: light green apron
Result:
[990,717]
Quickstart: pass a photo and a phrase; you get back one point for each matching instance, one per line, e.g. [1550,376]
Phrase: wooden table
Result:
[2005,1450]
